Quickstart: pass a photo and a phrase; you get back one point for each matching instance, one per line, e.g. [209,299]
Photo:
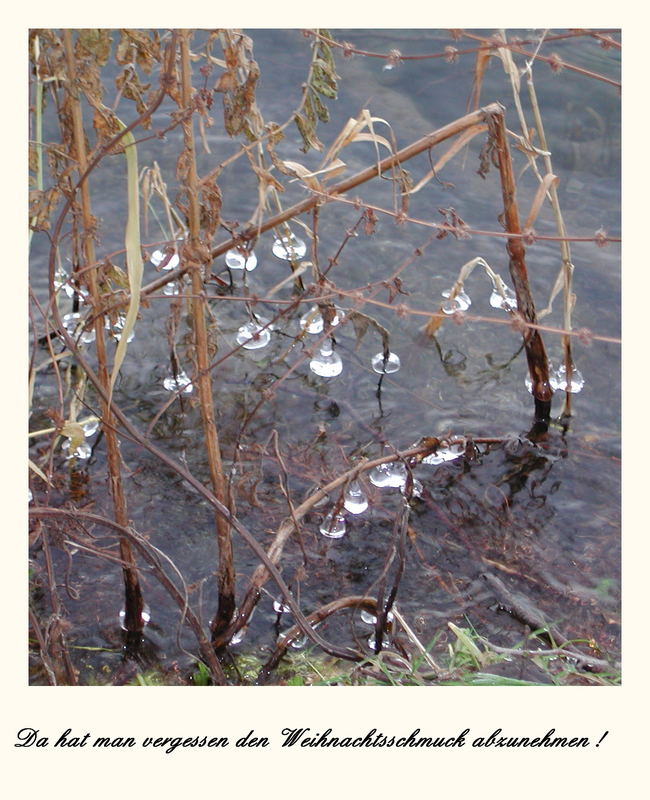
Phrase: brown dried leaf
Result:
[96,42]
[41,206]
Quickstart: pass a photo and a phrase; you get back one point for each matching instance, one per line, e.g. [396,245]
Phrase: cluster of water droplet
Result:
[557,379]
[83,450]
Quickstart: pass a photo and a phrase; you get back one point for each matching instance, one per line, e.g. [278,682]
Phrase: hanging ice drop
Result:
[333,526]
[355,500]
[326,363]
[253,336]
[83,451]
[392,363]
[508,304]
[460,303]
[312,321]
[238,259]
[157,258]
[181,381]
[289,248]
[558,380]
[388,474]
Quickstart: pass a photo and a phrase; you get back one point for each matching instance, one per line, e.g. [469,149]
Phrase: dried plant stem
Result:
[134,602]
[226,570]
[565,248]
[379,168]
[535,352]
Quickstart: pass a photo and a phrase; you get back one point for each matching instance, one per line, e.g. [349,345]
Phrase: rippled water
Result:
[544,519]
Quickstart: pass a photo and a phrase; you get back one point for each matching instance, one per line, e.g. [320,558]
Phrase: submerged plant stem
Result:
[535,351]
[134,602]
[226,569]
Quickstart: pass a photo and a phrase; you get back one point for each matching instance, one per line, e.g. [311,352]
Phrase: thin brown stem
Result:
[134,602]
[535,352]
[193,255]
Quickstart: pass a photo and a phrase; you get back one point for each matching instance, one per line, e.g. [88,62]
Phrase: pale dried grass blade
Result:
[133,253]
[460,142]
[482,58]
[39,472]
[542,190]
[509,66]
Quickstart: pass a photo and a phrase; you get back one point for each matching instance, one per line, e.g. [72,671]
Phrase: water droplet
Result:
[238,259]
[172,289]
[82,451]
[299,643]
[558,380]
[90,427]
[355,500]
[181,381]
[118,327]
[388,474]
[312,321]
[62,281]
[460,303]
[388,67]
[449,453]
[416,490]
[157,258]
[327,363]
[237,637]
[253,336]
[510,302]
[370,619]
[289,248]
[280,607]
[333,526]
[145,617]
[392,363]
[70,321]
[450,307]
[30,496]
[61,278]
[372,642]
